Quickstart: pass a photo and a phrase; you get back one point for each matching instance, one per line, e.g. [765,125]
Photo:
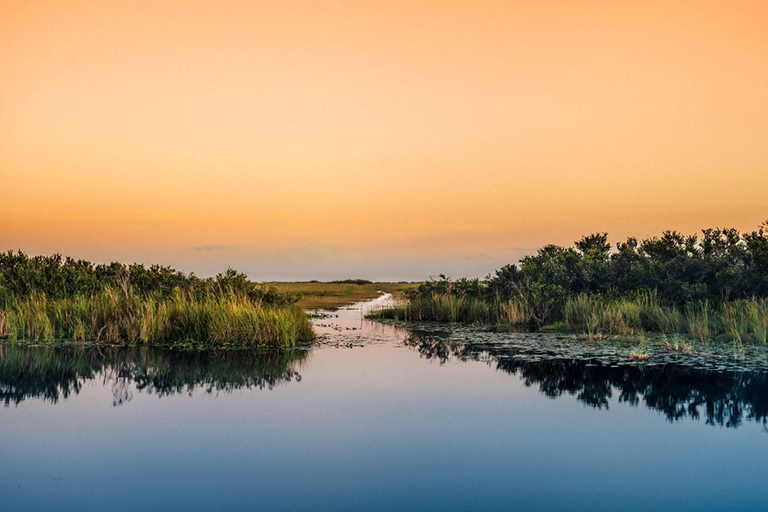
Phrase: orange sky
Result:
[391,140]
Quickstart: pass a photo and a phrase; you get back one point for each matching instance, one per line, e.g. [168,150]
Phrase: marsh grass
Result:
[514,312]
[4,325]
[699,320]
[440,308]
[120,316]
[739,321]
[757,309]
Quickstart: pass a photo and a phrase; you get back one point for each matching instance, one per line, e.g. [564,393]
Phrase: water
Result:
[380,417]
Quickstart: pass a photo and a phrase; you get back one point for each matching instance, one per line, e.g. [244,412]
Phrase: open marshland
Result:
[320,295]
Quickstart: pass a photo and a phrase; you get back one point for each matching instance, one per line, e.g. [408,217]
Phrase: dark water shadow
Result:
[58,372]
[722,397]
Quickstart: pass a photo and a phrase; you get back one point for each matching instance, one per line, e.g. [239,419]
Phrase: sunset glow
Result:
[319,140]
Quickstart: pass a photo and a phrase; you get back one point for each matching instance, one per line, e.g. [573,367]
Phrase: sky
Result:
[395,140]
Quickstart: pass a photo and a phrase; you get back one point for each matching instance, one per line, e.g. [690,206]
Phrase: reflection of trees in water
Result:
[53,373]
[676,391]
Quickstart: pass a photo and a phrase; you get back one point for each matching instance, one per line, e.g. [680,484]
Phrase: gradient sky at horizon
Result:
[384,140]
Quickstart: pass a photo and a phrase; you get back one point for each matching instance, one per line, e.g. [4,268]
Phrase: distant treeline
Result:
[661,276]
[59,277]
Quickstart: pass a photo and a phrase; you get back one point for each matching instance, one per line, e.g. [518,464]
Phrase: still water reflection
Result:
[724,398]
[383,417]
[55,373]
[678,391]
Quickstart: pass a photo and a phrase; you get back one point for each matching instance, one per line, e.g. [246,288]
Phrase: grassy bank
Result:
[50,298]
[317,295]
[122,316]
[713,287]
[743,320]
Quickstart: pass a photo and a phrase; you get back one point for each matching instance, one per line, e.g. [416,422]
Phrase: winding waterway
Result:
[385,417]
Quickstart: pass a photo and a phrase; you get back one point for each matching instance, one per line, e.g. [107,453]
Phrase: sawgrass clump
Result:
[122,316]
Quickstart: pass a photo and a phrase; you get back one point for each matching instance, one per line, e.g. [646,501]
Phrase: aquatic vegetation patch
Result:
[122,316]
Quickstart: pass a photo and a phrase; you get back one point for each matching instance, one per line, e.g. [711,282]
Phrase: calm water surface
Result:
[378,417]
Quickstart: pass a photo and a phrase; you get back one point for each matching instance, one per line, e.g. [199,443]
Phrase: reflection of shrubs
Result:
[722,398]
[52,373]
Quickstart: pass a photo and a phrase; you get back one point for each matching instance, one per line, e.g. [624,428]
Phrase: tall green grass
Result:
[744,320]
[120,316]
[440,308]
[738,321]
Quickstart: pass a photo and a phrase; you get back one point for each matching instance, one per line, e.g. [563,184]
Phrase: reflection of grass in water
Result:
[57,372]
[316,295]
[117,315]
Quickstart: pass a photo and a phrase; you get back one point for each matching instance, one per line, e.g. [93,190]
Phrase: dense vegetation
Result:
[706,286]
[47,298]
[58,277]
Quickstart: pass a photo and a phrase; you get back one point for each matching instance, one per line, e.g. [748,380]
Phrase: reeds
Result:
[700,320]
[757,309]
[120,316]
[4,325]
[514,312]
[441,308]
[738,321]
[744,320]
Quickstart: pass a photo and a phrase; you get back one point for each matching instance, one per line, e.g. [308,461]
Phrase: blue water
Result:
[383,426]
